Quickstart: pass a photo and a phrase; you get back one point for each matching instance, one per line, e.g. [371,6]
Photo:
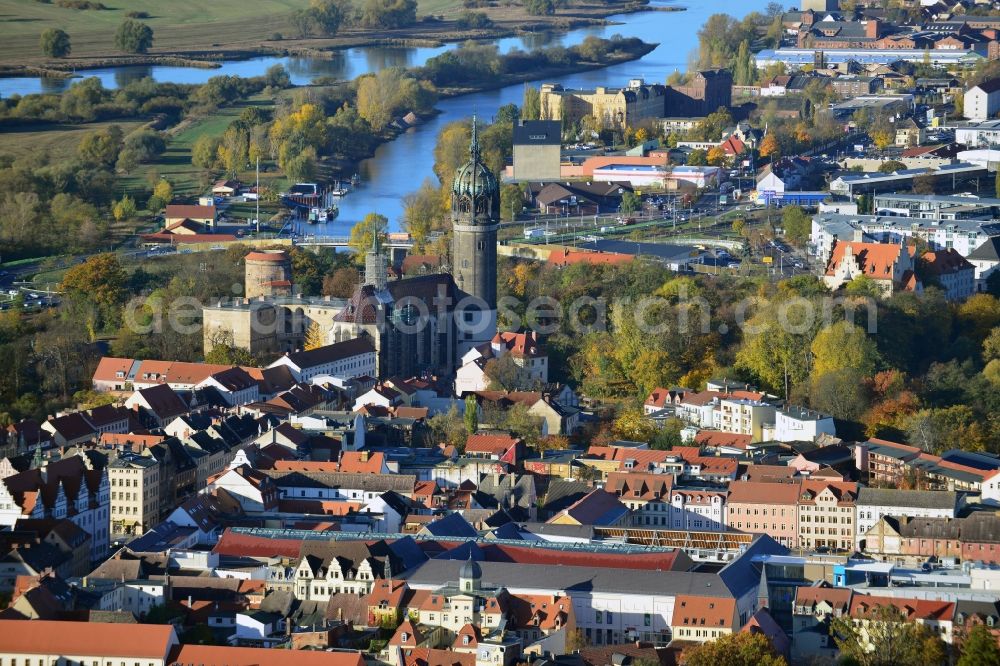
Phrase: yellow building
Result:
[135,494]
[611,107]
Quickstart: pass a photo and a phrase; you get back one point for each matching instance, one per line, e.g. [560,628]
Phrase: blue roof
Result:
[452,525]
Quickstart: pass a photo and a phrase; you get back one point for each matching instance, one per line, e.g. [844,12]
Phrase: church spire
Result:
[474,144]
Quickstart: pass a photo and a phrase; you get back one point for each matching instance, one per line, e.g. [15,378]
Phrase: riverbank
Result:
[341,168]
[431,31]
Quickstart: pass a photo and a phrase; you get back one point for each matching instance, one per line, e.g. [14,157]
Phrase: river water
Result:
[399,166]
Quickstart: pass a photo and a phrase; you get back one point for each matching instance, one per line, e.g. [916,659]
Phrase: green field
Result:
[59,141]
[177,25]
[175,164]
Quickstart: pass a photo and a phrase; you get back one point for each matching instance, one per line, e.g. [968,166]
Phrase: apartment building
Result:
[744,416]
[698,509]
[764,508]
[826,514]
[873,503]
[135,494]
[646,495]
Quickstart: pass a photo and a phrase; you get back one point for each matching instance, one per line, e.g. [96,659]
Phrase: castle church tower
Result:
[475,218]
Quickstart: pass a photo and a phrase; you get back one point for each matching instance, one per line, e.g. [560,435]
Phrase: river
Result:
[399,166]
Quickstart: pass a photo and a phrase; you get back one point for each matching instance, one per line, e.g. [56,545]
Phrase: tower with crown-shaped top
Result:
[475,218]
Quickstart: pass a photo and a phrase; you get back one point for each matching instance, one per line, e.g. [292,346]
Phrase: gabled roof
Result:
[332,353]
[43,637]
[988,251]
[942,262]
[163,401]
[755,492]
[706,612]
[876,260]
[492,444]
[597,508]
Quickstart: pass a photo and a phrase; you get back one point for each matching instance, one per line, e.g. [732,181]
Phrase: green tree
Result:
[511,201]
[862,285]
[506,375]
[424,212]
[890,166]
[744,69]
[775,353]
[540,7]
[630,203]
[844,345]
[979,648]
[697,157]
[205,151]
[470,415]
[796,224]
[124,208]
[326,15]
[101,148]
[100,280]
[447,427]
[886,639]
[742,649]
[924,184]
[363,233]
[54,43]
[133,36]
[531,106]
[163,193]
[225,352]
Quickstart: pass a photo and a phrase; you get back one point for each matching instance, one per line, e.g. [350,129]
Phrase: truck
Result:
[537,232]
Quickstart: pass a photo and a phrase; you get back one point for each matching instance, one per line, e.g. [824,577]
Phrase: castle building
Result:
[268,274]
[417,324]
[614,108]
[269,319]
[429,322]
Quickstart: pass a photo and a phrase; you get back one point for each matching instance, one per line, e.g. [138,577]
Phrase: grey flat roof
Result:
[517,577]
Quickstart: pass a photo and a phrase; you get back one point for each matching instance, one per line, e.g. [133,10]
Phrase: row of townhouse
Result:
[740,411]
[815,607]
[797,512]
[882,462]
[235,384]
[75,487]
[911,540]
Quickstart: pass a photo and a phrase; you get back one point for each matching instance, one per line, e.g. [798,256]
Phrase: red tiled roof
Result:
[837,597]
[707,612]
[715,438]
[492,444]
[572,257]
[108,368]
[245,545]
[913,609]
[876,260]
[43,637]
[756,492]
[211,655]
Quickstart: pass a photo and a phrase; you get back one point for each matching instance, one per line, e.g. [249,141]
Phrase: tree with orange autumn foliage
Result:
[769,147]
